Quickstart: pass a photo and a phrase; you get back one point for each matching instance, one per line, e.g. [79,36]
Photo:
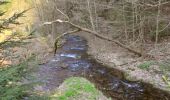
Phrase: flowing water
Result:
[72,60]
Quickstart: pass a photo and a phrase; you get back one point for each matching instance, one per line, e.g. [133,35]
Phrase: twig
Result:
[63,13]
[127,63]
[12,20]
[150,5]
[165,27]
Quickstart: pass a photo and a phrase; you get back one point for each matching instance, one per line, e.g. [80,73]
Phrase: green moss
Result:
[76,87]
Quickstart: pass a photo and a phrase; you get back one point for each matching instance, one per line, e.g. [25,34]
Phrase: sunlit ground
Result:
[4,35]
[16,6]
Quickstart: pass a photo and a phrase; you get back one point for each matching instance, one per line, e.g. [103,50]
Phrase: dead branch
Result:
[60,36]
[116,65]
[96,34]
[164,3]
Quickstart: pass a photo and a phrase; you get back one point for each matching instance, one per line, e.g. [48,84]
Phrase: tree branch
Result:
[97,35]
[60,36]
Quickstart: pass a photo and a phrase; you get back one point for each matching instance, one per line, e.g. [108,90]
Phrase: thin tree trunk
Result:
[157,23]
[90,15]
[125,22]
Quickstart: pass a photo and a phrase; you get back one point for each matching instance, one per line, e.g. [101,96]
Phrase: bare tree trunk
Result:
[157,23]
[125,22]
[133,16]
[90,15]
[96,20]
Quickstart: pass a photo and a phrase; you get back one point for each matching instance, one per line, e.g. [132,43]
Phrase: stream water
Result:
[72,60]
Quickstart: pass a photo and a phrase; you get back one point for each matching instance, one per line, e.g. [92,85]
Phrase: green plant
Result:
[146,65]
[166,80]
[165,66]
[11,81]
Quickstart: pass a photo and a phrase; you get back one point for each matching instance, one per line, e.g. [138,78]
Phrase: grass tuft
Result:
[146,65]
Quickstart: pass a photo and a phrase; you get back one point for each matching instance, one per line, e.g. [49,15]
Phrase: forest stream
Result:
[72,60]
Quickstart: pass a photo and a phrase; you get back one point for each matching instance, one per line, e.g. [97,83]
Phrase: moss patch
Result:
[76,88]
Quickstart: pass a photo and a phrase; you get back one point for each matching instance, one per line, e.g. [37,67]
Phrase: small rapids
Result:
[72,60]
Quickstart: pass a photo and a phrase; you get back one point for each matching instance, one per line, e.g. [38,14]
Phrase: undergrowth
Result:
[164,67]
[12,86]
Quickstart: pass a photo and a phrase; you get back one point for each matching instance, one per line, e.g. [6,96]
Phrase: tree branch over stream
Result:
[93,33]
[60,36]
[79,28]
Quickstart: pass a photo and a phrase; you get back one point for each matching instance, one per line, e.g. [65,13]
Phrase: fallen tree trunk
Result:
[96,34]
[106,38]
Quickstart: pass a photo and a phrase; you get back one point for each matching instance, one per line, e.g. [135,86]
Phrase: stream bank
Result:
[72,60]
[116,57]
